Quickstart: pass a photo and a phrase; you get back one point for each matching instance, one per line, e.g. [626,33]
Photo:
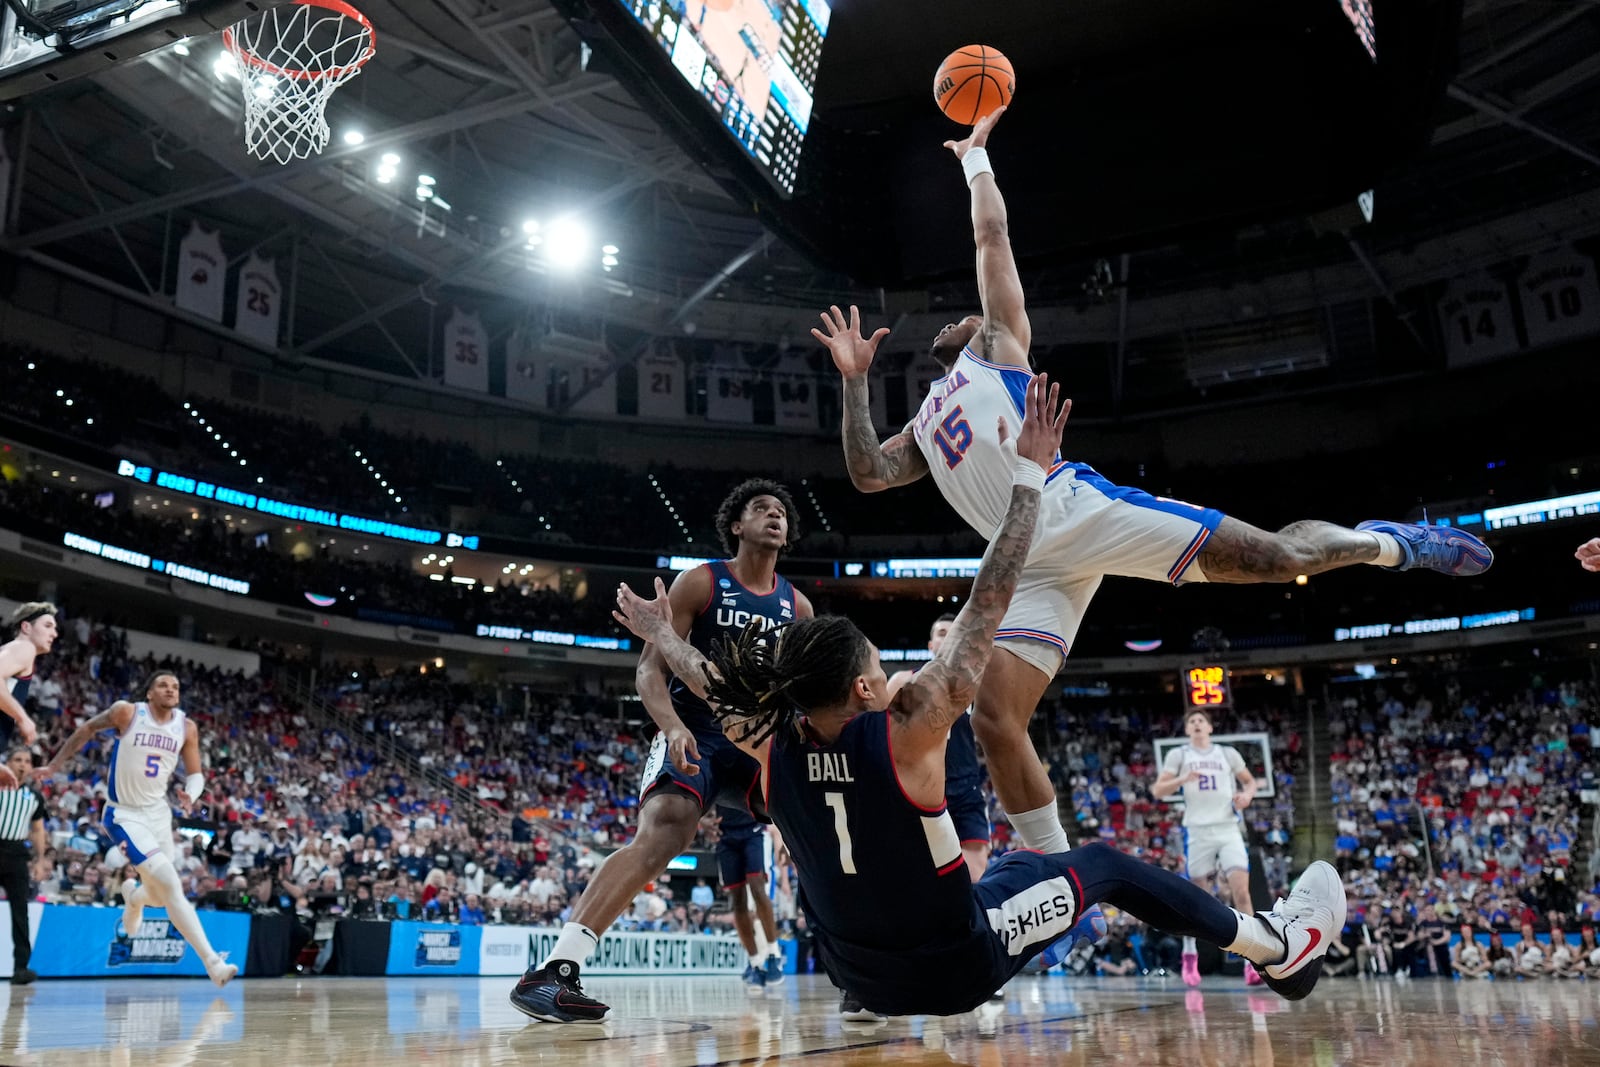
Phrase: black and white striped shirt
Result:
[18,809]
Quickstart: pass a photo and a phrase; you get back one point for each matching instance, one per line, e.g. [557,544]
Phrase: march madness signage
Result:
[433,948]
[83,942]
[513,949]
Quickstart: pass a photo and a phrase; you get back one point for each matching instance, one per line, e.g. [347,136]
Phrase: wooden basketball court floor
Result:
[679,1022]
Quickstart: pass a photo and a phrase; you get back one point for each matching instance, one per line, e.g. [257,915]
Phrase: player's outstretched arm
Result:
[651,620]
[116,717]
[945,686]
[688,593]
[1007,332]
[873,467]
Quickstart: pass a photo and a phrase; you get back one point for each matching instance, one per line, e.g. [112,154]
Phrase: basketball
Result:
[973,81]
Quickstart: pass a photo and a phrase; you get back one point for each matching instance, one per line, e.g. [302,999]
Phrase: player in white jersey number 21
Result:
[1212,841]
[1087,527]
[151,735]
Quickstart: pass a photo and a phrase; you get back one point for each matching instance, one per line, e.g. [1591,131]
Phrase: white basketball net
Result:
[290,60]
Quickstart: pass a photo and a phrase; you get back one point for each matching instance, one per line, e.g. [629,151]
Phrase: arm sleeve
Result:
[1235,761]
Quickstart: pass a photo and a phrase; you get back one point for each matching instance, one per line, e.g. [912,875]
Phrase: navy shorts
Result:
[726,776]
[740,855]
[963,783]
[1026,901]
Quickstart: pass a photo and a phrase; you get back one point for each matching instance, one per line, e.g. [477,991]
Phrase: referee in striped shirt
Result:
[21,823]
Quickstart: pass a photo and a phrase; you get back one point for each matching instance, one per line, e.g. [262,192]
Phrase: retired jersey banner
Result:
[527,371]
[794,394]
[730,389]
[1475,316]
[1560,298]
[920,376]
[466,352]
[661,381]
[202,273]
[586,386]
[259,302]
[513,949]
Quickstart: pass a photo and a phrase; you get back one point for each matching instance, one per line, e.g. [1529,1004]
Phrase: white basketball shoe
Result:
[1308,921]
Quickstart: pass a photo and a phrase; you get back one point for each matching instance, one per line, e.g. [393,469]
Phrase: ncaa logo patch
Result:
[725,583]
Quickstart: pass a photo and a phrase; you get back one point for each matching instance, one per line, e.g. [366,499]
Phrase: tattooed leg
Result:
[1241,553]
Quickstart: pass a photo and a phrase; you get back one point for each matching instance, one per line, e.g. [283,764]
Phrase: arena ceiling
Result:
[494,102]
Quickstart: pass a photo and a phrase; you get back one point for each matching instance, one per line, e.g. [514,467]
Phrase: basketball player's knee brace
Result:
[161,881]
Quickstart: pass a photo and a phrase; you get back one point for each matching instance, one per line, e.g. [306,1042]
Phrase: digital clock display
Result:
[1206,687]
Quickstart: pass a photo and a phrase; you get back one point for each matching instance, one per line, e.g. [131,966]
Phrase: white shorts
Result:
[1089,528]
[141,832]
[1216,848]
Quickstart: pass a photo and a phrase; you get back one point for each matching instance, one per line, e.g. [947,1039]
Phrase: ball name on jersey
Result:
[828,767]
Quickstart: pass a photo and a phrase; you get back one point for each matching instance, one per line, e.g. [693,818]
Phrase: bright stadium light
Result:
[354,137]
[225,66]
[566,243]
[610,250]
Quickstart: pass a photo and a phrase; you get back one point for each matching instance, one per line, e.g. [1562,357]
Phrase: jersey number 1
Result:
[847,858]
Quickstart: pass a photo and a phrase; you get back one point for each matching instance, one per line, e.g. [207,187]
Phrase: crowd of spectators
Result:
[1457,813]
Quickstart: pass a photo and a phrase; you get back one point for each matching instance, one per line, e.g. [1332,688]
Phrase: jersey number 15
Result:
[954,437]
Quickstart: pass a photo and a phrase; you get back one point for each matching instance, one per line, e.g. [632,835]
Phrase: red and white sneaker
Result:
[1191,968]
[1308,921]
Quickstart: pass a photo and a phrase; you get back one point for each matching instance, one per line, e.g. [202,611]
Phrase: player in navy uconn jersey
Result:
[691,765]
[1088,527]
[859,796]
[152,736]
[742,861]
[35,626]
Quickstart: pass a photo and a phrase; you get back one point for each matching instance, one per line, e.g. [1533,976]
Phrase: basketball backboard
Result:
[1255,749]
[49,42]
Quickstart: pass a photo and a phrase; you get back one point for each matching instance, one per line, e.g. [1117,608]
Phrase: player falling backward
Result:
[1212,843]
[151,735]
[859,795]
[1088,527]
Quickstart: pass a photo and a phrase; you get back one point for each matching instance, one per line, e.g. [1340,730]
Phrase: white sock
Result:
[1257,942]
[758,961]
[576,944]
[774,950]
[161,886]
[1041,829]
[1390,554]
[1189,947]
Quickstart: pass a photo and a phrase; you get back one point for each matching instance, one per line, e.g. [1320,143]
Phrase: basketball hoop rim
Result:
[250,59]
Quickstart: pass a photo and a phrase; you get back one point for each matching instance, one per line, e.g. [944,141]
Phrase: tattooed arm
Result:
[873,467]
[943,688]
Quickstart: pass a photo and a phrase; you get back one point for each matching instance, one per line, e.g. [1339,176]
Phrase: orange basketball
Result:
[973,81]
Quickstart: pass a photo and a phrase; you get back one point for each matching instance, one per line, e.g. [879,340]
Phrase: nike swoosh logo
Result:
[1316,939]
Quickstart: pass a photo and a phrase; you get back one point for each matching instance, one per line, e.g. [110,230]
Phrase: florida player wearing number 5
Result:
[1088,527]
[151,735]
[859,795]
[1212,843]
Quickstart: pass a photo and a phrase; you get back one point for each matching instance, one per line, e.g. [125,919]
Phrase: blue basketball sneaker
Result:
[754,977]
[553,994]
[1090,928]
[1436,548]
[773,971]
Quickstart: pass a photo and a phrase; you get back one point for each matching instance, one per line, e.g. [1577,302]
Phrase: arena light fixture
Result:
[225,66]
[354,138]
[427,179]
[566,243]
[182,47]
[610,250]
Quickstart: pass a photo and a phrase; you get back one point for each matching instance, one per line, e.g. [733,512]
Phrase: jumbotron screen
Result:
[754,62]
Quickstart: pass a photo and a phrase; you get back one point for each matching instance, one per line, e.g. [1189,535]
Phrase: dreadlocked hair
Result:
[769,677]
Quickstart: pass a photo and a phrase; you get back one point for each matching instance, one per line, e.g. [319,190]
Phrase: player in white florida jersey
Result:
[151,736]
[1088,527]
[1216,787]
